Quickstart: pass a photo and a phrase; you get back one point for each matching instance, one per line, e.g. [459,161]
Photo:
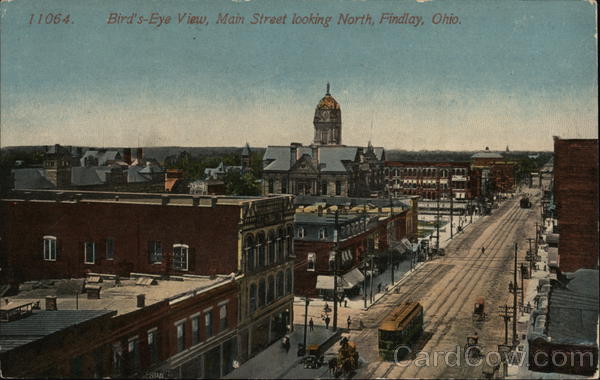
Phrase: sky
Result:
[511,72]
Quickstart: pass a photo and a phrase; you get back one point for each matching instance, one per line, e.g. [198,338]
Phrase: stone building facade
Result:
[326,167]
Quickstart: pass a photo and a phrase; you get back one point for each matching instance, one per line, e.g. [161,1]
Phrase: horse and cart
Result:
[479,315]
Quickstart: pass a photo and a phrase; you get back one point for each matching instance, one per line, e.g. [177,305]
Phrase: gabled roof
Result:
[332,158]
[133,175]
[32,178]
[86,176]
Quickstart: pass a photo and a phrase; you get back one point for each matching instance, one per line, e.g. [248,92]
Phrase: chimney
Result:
[140,154]
[293,153]
[141,300]
[127,155]
[51,303]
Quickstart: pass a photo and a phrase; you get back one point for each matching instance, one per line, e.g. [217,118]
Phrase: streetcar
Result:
[525,202]
[401,327]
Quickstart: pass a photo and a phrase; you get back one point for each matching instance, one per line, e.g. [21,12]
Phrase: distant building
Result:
[94,170]
[221,170]
[493,173]
[326,167]
[576,199]
[430,180]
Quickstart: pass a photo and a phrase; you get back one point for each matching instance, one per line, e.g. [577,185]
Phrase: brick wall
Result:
[576,193]
[211,234]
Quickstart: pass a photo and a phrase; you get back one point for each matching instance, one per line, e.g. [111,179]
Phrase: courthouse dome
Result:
[328,102]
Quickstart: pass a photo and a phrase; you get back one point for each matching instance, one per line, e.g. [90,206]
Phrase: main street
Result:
[447,288]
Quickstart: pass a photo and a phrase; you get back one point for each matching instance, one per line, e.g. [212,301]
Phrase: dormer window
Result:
[300,232]
[323,233]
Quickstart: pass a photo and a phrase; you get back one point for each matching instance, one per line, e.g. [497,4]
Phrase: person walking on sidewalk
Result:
[345,302]
[349,322]
[311,324]
[327,320]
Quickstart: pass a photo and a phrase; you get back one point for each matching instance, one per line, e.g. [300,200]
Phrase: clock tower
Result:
[328,121]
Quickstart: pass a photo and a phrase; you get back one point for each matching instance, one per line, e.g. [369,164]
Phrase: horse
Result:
[332,364]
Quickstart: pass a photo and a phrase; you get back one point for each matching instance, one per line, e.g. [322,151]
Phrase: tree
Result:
[237,183]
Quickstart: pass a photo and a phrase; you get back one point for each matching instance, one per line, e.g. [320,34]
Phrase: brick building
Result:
[430,180]
[49,235]
[364,226]
[493,173]
[143,326]
[576,199]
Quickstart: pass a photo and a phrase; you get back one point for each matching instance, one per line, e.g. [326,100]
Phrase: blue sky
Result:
[513,72]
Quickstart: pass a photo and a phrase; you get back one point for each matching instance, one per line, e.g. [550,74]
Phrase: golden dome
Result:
[328,103]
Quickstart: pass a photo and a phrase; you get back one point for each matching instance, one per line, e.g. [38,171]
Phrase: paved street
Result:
[447,288]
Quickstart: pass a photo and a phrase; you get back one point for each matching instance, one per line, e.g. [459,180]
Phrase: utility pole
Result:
[371,256]
[514,316]
[531,255]
[306,302]
[505,314]
[365,280]
[335,269]
[392,223]
[451,213]
[537,238]
[437,225]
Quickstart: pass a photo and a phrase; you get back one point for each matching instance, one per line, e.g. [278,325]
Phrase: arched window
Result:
[271,248]
[310,261]
[261,250]
[271,290]
[300,231]
[280,241]
[249,253]
[290,241]
[289,281]
[252,298]
[261,292]
[279,285]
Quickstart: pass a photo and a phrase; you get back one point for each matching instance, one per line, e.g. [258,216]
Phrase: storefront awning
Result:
[326,283]
[354,277]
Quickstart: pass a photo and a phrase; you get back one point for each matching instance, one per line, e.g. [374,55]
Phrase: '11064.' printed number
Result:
[50,18]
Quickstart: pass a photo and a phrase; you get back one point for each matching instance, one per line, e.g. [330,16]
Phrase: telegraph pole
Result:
[335,269]
[306,302]
[371,256]
[437,225]
[451,213]
[531,255]
[505,314]
[392,233]
[515,289]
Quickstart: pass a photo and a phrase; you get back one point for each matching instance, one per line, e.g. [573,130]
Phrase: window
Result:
[271,185]
[180,336]
[280,240]
[324,188]
[117,360]
[50,248]
[90,252]
[110,249]
[155,254]
[284,186]
[261,250]
[300,232]
[252,299]
[271,290]
[208,323]
[279,285]
[323,233]
[249,253]
[153,345]
[331,260]
[133,351]
[180,256]
[288,281]
[261,292]
[223,317]
[338,188]
[271,247]
[195,330]
[311,259]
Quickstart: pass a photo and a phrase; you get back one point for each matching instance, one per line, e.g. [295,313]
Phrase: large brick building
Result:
[576,199]
[364,226]
[52,235]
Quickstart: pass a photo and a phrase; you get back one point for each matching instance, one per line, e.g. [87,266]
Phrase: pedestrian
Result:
[349,322]
[379,288]
[345,302]
[311,324]
[327,320]
[482,250]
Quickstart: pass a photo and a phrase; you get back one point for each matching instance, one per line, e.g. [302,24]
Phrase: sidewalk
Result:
[274,362]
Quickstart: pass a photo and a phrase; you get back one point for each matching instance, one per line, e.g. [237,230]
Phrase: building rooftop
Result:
[43,323]
[573,309]
[121,298]
[327,201]
[131,198]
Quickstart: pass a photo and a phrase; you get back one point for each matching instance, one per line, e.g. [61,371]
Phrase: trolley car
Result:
[400,328]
